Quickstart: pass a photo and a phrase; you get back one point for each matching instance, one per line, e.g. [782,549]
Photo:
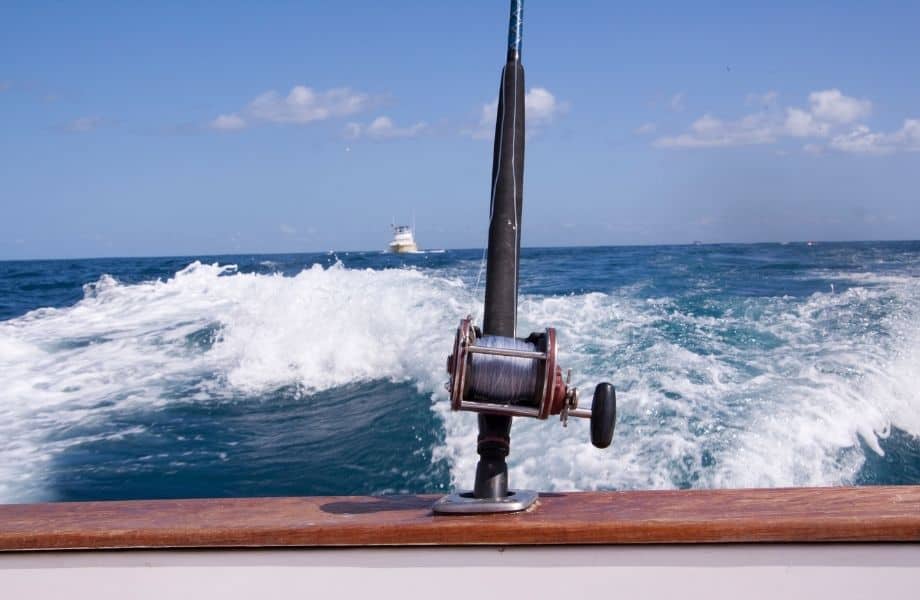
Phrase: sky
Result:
[182,128]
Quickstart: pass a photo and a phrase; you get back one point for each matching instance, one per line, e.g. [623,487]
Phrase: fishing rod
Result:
[492,372]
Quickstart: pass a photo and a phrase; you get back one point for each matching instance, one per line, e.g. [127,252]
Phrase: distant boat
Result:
[403,242]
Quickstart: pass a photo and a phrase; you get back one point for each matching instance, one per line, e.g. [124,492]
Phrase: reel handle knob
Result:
[603,414]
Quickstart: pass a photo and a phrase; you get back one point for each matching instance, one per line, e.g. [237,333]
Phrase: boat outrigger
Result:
[840,543]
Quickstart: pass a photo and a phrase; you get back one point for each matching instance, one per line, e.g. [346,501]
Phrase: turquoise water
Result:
[735,365]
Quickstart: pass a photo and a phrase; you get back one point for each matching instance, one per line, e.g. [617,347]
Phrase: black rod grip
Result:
[507,198]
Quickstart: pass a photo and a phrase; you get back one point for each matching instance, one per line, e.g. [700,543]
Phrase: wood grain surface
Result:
[869,514]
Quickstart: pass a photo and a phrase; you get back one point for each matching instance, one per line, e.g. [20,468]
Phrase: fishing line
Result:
[482,267]
[504,379]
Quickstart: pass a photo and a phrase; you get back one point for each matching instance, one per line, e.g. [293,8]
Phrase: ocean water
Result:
[735,366]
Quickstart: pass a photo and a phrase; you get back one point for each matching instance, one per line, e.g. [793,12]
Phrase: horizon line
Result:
[553,247]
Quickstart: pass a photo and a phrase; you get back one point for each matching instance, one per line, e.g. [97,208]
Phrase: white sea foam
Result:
[127,347]
[778,392]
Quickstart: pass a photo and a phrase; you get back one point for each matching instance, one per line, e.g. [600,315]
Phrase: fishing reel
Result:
[521,378]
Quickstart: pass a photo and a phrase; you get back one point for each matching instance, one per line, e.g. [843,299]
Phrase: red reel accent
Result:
[559,392]
[553,400]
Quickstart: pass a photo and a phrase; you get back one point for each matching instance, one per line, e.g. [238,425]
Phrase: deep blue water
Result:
[735,365]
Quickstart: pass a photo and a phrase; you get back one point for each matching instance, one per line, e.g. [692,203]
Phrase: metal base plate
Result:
[463,503]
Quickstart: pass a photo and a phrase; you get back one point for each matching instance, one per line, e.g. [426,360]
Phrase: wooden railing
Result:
[866,514]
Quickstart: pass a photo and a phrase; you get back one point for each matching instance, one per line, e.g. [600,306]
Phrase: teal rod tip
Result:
[515,30]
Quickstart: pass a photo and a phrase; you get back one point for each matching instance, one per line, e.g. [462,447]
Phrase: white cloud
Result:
[832,105]
[646,128]
[300,106]
[800,123]
[84,124]
[862,140]
[540,109]
[487,122]
[230,122]
[303,105]
[383,128]
[909,135]
[287,229]
[710,132]
[540,106]
[828,113]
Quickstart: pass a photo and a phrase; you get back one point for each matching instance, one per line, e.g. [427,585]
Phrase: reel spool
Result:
[521,378]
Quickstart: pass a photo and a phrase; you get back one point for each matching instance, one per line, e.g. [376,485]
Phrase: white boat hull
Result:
[713,572]
[403,248]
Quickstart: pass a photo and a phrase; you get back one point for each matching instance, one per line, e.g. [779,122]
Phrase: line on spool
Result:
[504,379]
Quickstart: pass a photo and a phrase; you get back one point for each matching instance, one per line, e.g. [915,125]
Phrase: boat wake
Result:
[738,391]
